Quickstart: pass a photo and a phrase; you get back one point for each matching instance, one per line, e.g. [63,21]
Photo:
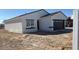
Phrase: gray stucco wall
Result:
[14,27]
[59,16]
[14,22]
[35,17]
[46,23]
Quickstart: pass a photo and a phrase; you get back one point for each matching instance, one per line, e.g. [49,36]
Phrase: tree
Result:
[1,26]
[69,22]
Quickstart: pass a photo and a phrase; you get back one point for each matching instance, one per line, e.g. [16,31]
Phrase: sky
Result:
[10,13]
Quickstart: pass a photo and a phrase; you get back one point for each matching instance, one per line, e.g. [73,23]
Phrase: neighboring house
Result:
[39,20]
[69,22]
[1,26]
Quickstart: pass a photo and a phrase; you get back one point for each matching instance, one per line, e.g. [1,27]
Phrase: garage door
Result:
[14,27]
[58,24]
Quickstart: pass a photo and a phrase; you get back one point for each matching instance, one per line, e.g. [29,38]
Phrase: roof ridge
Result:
[26,14]
[53,13]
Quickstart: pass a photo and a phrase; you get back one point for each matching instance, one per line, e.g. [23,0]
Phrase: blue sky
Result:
[10,13]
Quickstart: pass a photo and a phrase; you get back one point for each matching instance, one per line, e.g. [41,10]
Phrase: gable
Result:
[37,14]
[56,15]
[59,15]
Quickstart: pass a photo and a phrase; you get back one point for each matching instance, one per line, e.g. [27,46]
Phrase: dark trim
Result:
[38,25]
[58,12]
[51,27]
[54,14]
[58,20]
[63,13]
[59,24]
[25,14]
[46,15]
[31,28]
[32,12]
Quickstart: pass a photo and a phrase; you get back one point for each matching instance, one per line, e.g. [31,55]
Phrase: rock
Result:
[3,44]
[9,40]
[25,36]
[35,45]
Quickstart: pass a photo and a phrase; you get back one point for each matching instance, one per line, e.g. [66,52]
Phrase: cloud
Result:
[72,16]
[1,21]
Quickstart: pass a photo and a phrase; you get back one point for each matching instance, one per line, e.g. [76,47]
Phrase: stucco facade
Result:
[22,20]
[18,24]
[14,27]
[47,23]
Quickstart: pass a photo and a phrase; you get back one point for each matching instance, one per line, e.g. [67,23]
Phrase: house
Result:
[39,20]
[1,26]
[69,22]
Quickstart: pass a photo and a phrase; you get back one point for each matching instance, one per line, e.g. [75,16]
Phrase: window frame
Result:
[29,23]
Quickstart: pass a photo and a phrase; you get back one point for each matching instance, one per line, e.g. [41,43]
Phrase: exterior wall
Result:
[29,30]
[34,16]
[59,16]
[14,27]
[46,23]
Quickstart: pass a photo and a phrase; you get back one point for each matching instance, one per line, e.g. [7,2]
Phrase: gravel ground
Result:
[15,41]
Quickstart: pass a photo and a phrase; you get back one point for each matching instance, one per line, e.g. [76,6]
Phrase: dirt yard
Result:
[14,41]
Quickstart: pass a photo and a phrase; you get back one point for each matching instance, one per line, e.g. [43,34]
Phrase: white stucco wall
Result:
[34,16]
[22,19]
[14,27]
[45,23]
[59,16]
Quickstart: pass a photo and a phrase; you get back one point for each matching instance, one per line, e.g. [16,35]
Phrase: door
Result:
[58,24]
[38,24]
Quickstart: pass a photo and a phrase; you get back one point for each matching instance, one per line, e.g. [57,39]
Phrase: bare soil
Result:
[15,41]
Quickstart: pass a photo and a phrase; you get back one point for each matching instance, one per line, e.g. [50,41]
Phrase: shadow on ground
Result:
[52,33]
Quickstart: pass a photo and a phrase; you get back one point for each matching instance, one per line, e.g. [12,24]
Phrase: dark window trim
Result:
[58,20]
[51,27]
[31,24]
[31,28]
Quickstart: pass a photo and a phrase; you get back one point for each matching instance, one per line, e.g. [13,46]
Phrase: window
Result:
[29,22]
